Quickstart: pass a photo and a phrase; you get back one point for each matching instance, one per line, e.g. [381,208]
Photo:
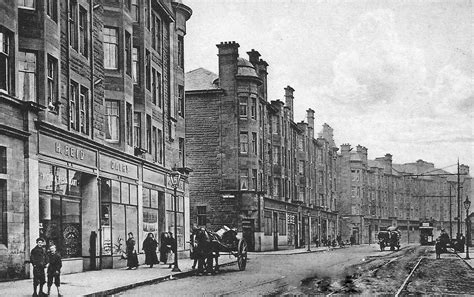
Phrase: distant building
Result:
[254,168]
[91,125]
[375,194]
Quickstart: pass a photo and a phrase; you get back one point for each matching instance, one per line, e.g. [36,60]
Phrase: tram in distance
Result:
[426,233]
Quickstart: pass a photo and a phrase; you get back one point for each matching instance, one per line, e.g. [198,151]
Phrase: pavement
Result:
[470,261]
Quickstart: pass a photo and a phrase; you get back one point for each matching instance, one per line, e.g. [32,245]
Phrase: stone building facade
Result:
[376,194]
[254,168]
[91,126]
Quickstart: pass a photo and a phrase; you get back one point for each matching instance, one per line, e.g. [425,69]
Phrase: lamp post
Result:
[175,176]
[467,205]
[309,231]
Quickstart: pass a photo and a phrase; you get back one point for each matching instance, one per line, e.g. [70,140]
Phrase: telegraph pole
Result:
[450,220]
[459,202]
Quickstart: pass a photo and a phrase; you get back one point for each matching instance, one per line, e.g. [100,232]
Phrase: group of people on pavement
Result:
[150,245]
[41,260]
[443,241]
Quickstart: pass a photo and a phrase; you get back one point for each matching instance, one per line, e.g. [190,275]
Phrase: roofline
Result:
[205,91]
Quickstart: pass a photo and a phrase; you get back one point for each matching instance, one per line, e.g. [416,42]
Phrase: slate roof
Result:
[201,79]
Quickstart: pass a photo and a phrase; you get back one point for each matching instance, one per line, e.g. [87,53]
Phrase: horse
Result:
[205,250]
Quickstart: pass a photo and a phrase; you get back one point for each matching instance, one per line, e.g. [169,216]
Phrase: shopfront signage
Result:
[66,151]
[153,177]
[116,166]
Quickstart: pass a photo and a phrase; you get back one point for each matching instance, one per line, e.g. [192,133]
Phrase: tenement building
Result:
[376,194]
[91,126]
[254,168]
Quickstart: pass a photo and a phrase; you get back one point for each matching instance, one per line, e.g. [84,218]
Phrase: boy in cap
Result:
[54,269]
[38,259]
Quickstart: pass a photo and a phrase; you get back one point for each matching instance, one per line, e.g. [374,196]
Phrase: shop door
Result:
[248,233]
[275,231]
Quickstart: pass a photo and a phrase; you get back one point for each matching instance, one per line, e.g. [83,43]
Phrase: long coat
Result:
[149,247]
[165,248]
[132,258]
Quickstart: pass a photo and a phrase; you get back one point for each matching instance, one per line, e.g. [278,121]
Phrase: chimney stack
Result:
[310,120]
[289,100]
[228,54]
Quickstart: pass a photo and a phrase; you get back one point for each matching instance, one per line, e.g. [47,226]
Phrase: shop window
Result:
[60,208]
[28,4]
[112,120]
[27,76]
[282,225]
[110,48]
[268,223]
[5,60]
[3,212]
[201,215]
[170,211]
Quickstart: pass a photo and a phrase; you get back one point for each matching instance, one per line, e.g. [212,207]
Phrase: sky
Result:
[393,76]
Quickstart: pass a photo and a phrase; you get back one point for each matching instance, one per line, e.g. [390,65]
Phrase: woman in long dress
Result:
[164,250]
[149,247]
[132,258]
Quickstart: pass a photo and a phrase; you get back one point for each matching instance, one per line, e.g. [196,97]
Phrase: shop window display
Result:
[150,211]
[60,209]
[180,218]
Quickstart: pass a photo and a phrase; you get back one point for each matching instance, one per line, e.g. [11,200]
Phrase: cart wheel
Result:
[242,254]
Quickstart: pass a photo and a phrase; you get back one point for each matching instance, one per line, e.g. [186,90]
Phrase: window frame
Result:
[52,9]
[24,6]
[111,48]
[244,142]
[117,119]
[5,54]
[34,72]
[243,107]
[201,215]
[52,78]
[129,118]
[83,32]
[137,128]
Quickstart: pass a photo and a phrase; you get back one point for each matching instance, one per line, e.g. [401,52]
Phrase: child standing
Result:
[54,268]
[38,259]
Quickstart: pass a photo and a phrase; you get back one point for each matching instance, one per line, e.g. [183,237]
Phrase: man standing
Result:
[38,259]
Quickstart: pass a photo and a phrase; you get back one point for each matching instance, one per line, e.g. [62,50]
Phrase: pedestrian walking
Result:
[132,258]
[172,249]
[38,259]
[192,246]
[54,269]
[164,247]
[149,247]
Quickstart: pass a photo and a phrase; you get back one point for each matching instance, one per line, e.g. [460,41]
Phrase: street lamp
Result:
[175,176]
[467,205]
[309,231]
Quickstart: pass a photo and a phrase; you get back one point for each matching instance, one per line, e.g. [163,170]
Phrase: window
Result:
[301,167]
[181,152]
[5,67]
[129,124]
[155,144]
[3,160]
[73,101]
[147,70]
[276,155]
[170,211]
[30,4]
[83,36]
[52,9]
[3,212]
[244,179]
[84,111]
[253,109]
[135,11]
[254,143]
[268,223]
[52,81]
[181,100]
[135,66]
[112,120]
[147,13]
[156,88]
[201,215]
[243,107]
[27,76]
[151,203]
[73,24]
[148,134]
[282,225]
[156,34]
[160,146]
[244,143]
[137,126]
[276,187]
[128,53]
[181,51]
[110,48]
[254,179]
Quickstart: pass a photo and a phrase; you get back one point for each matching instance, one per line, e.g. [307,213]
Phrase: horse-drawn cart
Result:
[224,241]
[389,238]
